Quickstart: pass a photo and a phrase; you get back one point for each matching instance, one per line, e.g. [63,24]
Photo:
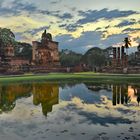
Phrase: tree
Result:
[21,49]
[24,50]
[69,58]
[94,57]
[127,43]
[6,37]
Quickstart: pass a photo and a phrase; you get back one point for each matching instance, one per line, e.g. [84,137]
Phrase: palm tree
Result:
[127,43]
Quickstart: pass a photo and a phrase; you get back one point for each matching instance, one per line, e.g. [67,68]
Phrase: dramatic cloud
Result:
[88,40]
[125,23]
[94,15]
[19,7]
[76,25]
[16,8]
[34,31]
[81,44]
[65,16]
[70,27]
[131,29]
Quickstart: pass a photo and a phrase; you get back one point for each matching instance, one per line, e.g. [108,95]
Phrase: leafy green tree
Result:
[23,50]
[69,58]
[94,57]
[6,37]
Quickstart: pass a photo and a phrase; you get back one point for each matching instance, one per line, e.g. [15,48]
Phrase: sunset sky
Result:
[77,24]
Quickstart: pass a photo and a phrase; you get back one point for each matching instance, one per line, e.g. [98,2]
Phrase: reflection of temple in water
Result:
[123,94]
[137,93]
[46,95]
[43,93]
[10,93]
[120,94]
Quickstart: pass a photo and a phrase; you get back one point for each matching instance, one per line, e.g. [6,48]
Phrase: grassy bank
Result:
[75,77]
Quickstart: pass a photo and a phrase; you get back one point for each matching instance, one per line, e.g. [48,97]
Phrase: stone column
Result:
[118,56]
[34,50]
[126,60]
[122,56]
[114,57]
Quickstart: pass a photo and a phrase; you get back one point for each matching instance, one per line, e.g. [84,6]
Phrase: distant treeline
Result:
[94,57]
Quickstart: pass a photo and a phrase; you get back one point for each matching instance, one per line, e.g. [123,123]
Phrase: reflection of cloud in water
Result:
[102,114]
[80,111]
[81,91]
[131,94]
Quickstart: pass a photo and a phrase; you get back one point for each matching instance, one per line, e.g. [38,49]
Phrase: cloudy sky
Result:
[77,24]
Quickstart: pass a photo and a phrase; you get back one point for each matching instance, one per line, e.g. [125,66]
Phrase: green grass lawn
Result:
[75,77]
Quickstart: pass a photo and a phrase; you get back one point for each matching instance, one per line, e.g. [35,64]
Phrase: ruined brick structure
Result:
[6,53]
[45,57]
[120,58]
[137,56]
[136,61]
[8,61]
[45,53]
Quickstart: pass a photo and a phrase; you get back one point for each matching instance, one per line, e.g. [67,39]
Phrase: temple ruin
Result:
[8,61]
[120,58]
[45,53]
[45,57]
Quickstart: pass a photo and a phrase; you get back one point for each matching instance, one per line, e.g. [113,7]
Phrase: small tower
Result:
[45,38]
[137,55]
[45,53]
[138,48]
[8,53]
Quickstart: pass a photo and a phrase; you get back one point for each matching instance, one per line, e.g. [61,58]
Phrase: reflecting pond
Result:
[51,111]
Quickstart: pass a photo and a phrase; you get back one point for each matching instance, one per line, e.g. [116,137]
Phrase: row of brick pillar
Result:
[120,58]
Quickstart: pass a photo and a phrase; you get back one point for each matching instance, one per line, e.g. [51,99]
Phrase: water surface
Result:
[83,111]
